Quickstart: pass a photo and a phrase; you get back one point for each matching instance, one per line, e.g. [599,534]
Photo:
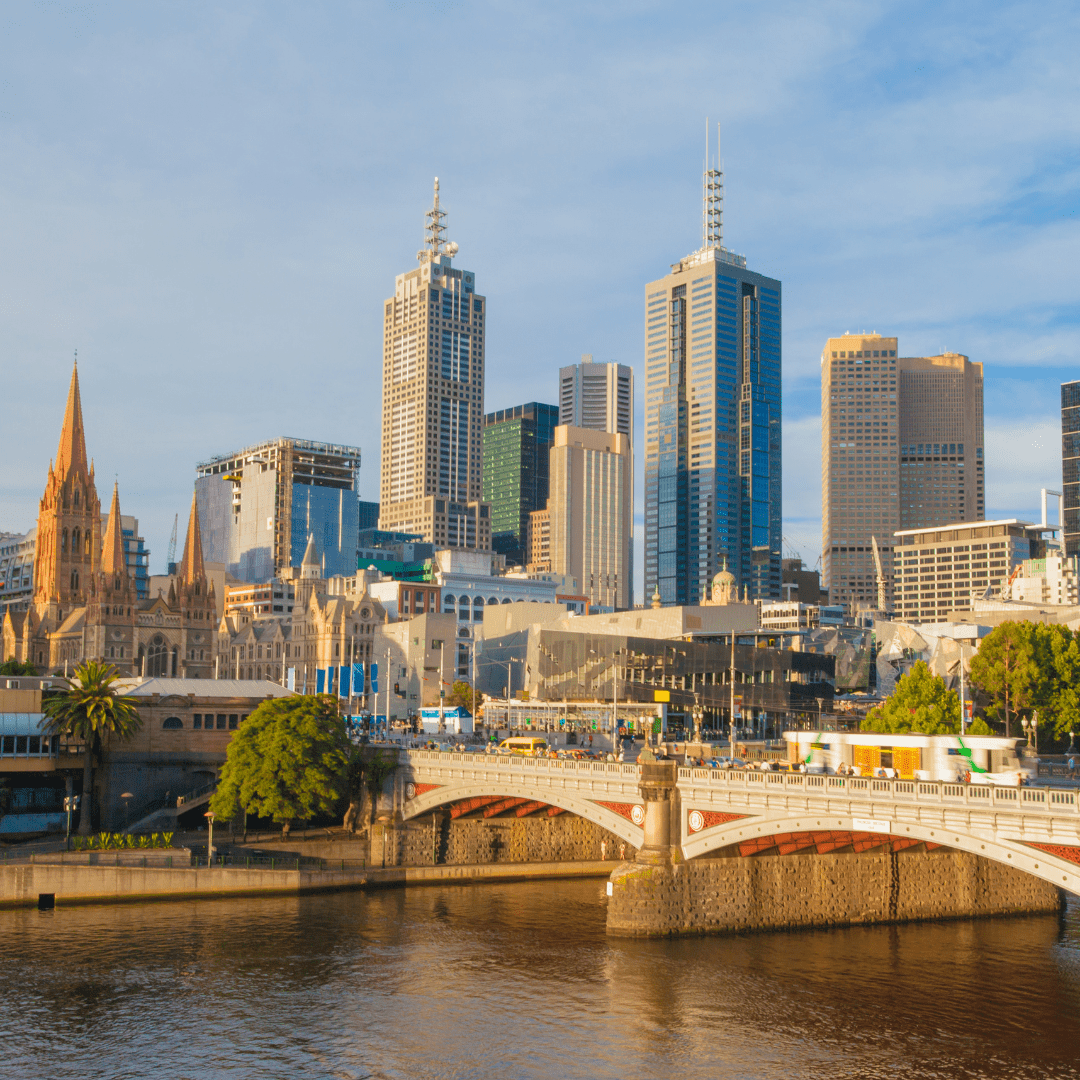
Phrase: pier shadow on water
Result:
[519,980]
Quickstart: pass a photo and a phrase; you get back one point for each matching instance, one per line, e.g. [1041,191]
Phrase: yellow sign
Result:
[661,695]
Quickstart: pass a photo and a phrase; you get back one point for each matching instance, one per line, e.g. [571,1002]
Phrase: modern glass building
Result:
[1070,466]
[516,445]
[258,506]
[712,422]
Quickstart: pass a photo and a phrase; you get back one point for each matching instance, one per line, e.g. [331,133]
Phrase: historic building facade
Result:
[85,604]
[329,622]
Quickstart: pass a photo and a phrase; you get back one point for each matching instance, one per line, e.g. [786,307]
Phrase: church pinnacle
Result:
[191,568]
[71,453]
[113,560]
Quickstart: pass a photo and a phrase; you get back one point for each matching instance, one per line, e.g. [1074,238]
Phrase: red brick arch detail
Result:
[713,818]
[422,789]
[623,809]
[1062,851]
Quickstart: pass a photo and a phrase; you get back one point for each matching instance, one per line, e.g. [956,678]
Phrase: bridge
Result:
[669,814]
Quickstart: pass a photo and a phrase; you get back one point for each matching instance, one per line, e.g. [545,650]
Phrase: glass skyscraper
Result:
[1070,466]
[516,446]
[713,493]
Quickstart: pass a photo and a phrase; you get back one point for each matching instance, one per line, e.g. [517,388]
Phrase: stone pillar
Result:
[657,787]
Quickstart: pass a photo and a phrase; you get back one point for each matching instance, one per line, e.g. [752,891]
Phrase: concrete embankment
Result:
[729,895]
[25,884]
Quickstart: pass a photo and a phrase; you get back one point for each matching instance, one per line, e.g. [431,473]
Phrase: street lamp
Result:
[127,820]
[697,713]
[209,815]
[1072,744]
[1029,728]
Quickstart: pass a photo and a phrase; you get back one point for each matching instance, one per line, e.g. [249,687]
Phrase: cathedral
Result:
[85,605]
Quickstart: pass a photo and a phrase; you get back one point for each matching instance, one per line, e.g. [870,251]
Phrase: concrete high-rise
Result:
[712,421]
[597,396]
[901,449]
[1070,466]
[433,399]
[589,512]
[516,445]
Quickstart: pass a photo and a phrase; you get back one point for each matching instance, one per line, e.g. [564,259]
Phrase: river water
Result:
[519,980]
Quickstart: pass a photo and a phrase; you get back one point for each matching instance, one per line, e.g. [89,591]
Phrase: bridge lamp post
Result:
[209,815]
[1072,744]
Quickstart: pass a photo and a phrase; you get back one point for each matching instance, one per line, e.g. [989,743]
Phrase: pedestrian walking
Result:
[1072,768]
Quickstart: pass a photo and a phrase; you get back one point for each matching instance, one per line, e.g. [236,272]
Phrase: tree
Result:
[17,667]
[288,761]
[920,703]
[1005,669]
[89,707]
[462,695]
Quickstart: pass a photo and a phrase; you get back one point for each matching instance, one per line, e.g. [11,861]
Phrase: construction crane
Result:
[170,559]
[880,575]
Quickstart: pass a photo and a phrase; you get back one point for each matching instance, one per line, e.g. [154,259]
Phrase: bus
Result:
[978,759]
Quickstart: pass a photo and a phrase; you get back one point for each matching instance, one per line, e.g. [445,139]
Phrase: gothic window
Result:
[86,542]
[74,580]
[76,497]
[157,657]
[75,542]
[63,541]
[196,588]
[116,583]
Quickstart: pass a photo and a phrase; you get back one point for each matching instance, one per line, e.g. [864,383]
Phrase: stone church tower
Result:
[110,611]
[69,522]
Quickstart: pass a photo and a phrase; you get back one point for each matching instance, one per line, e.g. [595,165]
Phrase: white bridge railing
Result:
[758,785]
[1023,800]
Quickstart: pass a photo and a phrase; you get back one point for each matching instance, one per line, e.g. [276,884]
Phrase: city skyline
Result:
[226,274]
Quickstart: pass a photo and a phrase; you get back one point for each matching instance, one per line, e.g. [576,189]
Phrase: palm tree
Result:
[88,707]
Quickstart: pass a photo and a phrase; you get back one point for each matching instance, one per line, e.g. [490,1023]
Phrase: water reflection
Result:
[520,981]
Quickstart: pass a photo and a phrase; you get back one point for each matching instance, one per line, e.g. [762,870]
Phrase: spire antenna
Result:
[713,226]
[435,242]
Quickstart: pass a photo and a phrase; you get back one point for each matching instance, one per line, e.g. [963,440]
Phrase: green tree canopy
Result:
[88,708]
[920,703]
[17,667]
[1005,670]
[289,761]
[462,695]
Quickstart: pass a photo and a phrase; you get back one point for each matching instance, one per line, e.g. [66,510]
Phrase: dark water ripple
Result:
[519,981]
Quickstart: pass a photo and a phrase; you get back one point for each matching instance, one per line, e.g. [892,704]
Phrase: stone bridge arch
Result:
[614,821]
[1056,863]
[614,807]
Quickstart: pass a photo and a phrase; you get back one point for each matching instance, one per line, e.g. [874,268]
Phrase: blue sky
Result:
[210,203]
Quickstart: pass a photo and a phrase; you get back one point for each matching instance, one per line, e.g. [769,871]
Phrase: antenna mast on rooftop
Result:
[435,242]
[712,212]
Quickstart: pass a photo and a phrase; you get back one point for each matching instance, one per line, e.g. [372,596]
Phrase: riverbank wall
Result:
[47,884]
[730,895]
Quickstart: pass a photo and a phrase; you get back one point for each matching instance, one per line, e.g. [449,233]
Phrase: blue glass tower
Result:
[713,494]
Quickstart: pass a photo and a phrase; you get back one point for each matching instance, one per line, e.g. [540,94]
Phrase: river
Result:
[520,981]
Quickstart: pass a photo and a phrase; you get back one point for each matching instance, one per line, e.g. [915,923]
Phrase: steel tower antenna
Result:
[713,196]
[170,559]
[435,243]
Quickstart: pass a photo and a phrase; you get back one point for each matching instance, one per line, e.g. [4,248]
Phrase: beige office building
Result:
[597,396]
[588,515]
[901,449]
[433,399]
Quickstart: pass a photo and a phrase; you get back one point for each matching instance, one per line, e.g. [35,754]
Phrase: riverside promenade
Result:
[49,880]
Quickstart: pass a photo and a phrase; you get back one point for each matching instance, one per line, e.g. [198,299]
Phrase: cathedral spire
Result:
[112,551]
[71,453]
[191,567]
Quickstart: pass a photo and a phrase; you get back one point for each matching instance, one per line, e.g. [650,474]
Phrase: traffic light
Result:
[398,690]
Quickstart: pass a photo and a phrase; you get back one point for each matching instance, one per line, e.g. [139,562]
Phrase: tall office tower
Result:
[1070,467]
[433,399]
[516,445]
[712,421]
[597,396]
[901,448]
[589,511]
[259,505]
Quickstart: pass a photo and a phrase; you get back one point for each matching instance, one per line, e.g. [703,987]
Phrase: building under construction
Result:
[259,505]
